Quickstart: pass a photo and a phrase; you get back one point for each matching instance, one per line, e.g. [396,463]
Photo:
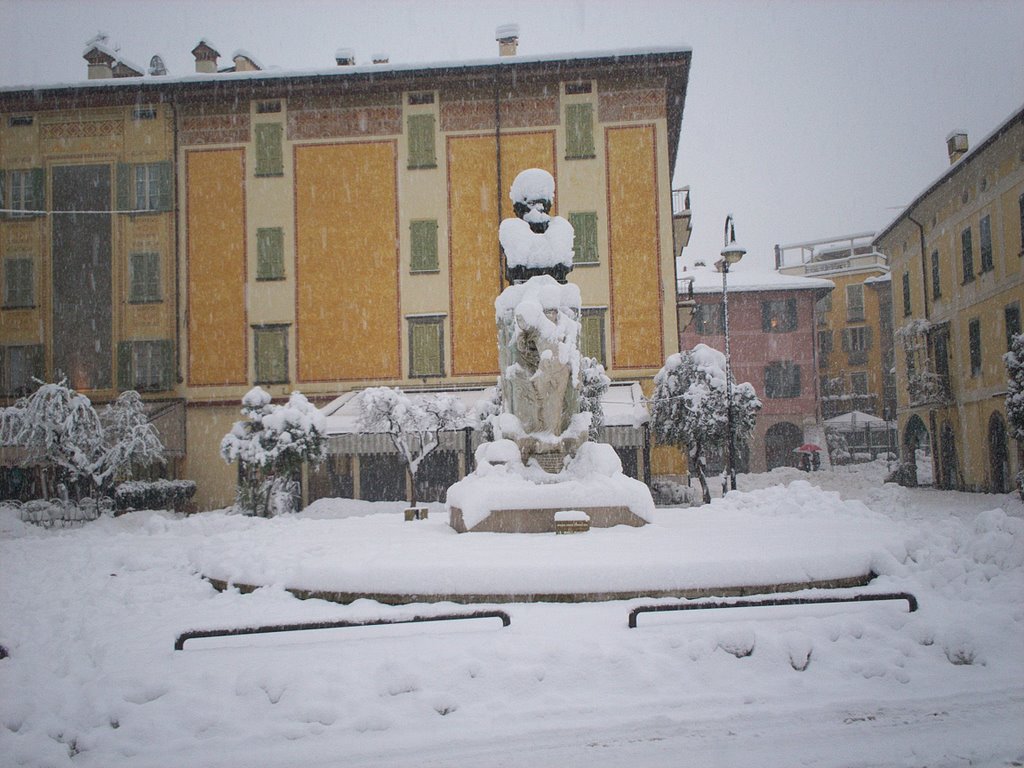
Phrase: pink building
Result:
[771,340]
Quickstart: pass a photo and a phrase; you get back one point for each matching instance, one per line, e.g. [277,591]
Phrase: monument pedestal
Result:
[542,520]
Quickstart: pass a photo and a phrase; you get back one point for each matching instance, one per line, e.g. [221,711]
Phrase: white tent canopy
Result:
[855,420]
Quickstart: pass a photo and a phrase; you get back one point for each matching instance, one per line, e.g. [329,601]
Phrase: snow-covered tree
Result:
[485,410]
[131,440]
[271,444]
[594,384]
[689,407]
[414,423]
[1014,360]
[59,435]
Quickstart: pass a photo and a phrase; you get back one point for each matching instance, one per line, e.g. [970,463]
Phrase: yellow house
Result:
[326,230]
[957,266]
[853,322]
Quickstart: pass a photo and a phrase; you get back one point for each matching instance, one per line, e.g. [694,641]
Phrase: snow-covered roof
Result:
[623,406]
[707,279]
[611,56]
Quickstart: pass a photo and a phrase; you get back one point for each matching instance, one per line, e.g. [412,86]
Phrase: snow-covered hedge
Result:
[60,513]
[159,494]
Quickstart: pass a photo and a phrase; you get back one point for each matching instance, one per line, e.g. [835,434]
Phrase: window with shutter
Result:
[985,244]
[859,383]
[426,347]
[144,277]
[579,131]
[271,351]
[585,242]
[19,366]
[778,316]
[269,154]
[145,366]
[782,380]
[974,334]
[270,253]
[967,255]
[855,302]
[26,192]
[423,245]
[592,334]
[707,319]
[421,141]
[19,283]
[1011,319]
[151,187]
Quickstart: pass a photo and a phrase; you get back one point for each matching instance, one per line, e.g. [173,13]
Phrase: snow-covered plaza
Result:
[89,617]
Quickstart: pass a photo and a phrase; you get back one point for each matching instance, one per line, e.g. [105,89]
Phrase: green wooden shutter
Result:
[37,185]
[423,242]
[270,253]
[269,155]
[271,355]
[3,191]
[123,181]
[165,355]
[585,242]
[579,131]
[425,342]
[868,337]
[592,336]
[165,186]
[421,141]
[125,375]
[846,339]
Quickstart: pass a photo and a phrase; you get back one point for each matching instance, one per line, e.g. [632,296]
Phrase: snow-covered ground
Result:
[89,617]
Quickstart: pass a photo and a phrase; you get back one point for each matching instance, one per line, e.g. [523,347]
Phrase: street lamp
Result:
[731,253]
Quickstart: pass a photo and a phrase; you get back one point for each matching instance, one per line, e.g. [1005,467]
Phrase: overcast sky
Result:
[803,119]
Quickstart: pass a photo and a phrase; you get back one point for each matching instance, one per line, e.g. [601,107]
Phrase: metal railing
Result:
[179,643]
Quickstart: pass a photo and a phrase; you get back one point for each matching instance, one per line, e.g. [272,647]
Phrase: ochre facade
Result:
[337,169]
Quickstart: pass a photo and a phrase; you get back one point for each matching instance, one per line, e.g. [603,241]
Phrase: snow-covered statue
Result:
[538,328]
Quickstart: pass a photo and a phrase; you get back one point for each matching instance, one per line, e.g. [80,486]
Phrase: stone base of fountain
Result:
[504,495]
[542,520]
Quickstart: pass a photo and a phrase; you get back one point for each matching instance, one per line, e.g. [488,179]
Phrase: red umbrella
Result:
[808,448]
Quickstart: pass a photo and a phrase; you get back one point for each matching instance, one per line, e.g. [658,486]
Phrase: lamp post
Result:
[731,253]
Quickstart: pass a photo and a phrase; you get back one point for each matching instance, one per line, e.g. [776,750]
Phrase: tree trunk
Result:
[412,486]
[705,491]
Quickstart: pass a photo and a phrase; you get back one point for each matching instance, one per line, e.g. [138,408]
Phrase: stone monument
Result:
[541,462]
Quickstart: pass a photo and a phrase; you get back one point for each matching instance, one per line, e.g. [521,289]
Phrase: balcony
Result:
[681,226]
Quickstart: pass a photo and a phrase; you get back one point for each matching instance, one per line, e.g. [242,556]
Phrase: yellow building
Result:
[853,323]
[957,265]
[323,231]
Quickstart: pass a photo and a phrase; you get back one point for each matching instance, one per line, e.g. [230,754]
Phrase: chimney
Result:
[345,57]
[206,57]
[380,58]
[956,145]
[245,62]
[507,36]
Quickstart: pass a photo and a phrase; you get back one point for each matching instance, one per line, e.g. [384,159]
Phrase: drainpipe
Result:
[177,251]
[497,163]
[924,265]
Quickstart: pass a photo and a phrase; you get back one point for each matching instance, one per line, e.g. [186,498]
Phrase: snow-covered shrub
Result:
[485,410]
[63,513]
[1014,360]
[158,494]
[413,422]
[594,384]
[130,439]
[669,492]
[271,445]
[689,407]
[59,434]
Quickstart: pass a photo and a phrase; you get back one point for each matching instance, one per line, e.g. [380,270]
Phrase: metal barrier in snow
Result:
[772,602]
[179,643]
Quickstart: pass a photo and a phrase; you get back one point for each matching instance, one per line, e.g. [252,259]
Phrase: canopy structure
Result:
[856,420]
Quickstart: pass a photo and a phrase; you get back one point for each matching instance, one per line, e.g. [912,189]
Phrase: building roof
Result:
[709,280]
[953,169]
[672,63]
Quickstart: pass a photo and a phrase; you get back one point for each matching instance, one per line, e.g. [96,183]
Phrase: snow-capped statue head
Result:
[535,242]
[532,194]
